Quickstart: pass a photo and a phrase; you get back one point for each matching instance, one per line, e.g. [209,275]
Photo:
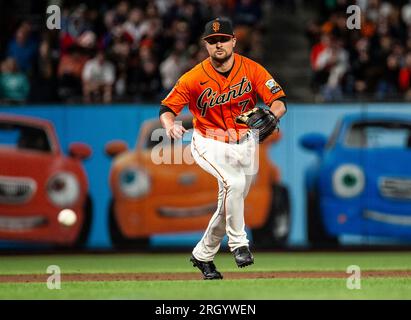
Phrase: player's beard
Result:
[221,60]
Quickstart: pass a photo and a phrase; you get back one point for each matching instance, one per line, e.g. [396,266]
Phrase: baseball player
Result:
[217,91]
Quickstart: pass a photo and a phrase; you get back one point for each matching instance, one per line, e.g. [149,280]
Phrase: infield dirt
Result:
[29,278]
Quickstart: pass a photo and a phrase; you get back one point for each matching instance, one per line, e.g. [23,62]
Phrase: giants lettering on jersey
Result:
[209,98]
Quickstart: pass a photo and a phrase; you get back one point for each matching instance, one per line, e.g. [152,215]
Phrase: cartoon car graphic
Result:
[38,182]
[151,198]
[361,184]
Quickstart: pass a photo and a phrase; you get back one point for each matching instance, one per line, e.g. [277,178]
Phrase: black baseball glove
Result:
[262,121]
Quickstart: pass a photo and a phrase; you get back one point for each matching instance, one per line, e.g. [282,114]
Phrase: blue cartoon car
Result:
[361,183]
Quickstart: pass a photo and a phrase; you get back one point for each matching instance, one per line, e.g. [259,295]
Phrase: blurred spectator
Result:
[98,79]
[87,40]
[150,43]
[23,47]
[313,32]
[134,25]
[377,66]
[333,60]
[405,78]
[43,85]
[361,69]
[320,74]
[74,23]
[69,73]
[174,66]
[149,79]
[14,85]
[122,10]
[388,84]
[256,47]
[247,12]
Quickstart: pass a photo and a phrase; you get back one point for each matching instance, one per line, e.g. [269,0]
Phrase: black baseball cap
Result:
[218,27]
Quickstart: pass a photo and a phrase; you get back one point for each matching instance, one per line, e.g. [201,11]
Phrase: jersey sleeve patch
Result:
[273,86]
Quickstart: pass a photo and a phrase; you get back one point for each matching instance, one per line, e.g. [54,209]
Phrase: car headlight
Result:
[63,189]
[348,181]
[134,183]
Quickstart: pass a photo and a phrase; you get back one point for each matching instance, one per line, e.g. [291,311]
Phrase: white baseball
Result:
[67,217]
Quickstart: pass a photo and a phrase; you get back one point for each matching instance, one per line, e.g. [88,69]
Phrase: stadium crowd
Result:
[131,51]
[372,63]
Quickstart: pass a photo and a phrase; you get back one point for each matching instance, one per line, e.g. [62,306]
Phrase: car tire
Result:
[118,240]
[275,231]
[316,233]
[85,228]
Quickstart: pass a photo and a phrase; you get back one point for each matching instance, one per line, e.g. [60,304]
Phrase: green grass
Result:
[113,263]
[387,288]
[372,288]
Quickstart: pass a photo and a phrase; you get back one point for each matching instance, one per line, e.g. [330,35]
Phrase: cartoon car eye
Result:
[63,189]
[348,181]
[134,183]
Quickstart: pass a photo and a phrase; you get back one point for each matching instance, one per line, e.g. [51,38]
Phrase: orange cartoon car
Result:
[150,198]
[38,182]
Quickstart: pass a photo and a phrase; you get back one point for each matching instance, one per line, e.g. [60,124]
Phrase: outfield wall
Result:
[96,125]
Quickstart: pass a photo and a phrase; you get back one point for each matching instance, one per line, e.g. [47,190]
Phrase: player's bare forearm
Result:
[167,120]
[173,129]
[278,108]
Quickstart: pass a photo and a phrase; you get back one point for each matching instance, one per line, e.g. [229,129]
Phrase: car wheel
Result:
[85,228]
[118,240]
[317,235]
[274,233]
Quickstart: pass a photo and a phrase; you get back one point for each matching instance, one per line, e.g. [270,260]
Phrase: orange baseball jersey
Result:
[215,101]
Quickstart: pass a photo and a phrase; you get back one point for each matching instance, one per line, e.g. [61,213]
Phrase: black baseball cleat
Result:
[243,257]
[207,268]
